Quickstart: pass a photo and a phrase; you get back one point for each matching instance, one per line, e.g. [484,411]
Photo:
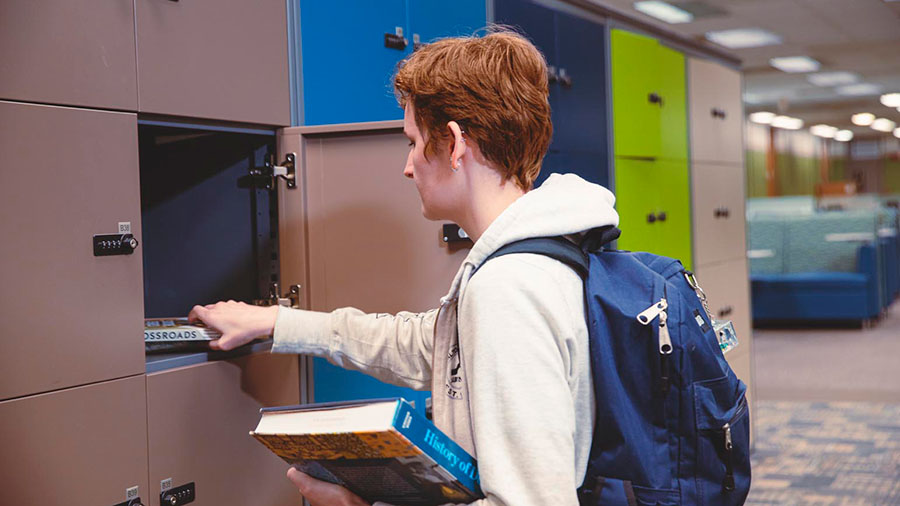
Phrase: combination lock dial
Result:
[177,496]
[114,244]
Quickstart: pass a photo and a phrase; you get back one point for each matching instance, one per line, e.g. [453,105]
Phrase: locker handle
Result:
[651,218]
[661,216]
[552,74]
[725,311]
[654,98]
[564,78]
[718,113]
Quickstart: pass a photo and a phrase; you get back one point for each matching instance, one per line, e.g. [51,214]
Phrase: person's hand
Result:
[322,493]
[238,322]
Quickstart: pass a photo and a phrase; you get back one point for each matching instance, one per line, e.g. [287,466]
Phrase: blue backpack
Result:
[672,421]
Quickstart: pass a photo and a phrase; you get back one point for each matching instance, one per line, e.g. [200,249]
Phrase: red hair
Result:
[495,87]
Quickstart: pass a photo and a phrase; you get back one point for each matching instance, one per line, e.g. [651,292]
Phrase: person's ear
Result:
[457,144]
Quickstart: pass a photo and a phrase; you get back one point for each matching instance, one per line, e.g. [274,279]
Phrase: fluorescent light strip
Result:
[855,90]
[743,38]
[794,64]
[665,12]
[762,117]
[827,79]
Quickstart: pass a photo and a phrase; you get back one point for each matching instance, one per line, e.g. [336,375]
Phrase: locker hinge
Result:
[290,299]
[264,177]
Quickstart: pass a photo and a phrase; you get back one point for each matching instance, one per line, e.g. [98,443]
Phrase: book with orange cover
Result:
[382,450]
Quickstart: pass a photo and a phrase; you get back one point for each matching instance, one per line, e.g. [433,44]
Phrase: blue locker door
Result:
[580,122]
[591,167]
[538,23]
[554,162]
[331,383]
[347,69]
[433,19]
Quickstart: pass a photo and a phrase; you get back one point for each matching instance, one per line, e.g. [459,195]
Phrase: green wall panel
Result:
[756,174]
[797,175]
[837,169]
[892,176]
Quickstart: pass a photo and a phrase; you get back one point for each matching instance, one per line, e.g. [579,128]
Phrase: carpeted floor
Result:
[830,364]
[826,453]
[827,416]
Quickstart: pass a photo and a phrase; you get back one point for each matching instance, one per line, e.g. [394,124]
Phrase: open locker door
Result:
[352,234]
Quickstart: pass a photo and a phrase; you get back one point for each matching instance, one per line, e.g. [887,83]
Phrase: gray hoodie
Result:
[505,355]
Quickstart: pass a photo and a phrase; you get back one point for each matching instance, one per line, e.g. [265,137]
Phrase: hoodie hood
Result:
[565,204]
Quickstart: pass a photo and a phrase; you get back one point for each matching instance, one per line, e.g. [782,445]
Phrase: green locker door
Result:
[635,78]
[673,197]
[673,108]
[636,199]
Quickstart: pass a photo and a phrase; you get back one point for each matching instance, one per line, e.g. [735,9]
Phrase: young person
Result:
[506,354]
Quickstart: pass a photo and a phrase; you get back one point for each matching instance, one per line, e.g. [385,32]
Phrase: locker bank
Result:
[253,151]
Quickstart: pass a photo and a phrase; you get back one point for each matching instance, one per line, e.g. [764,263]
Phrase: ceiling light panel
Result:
[743,38]
[843,136]
[861,89]
[826,131]
[664,11]
[883,125]
[891,99]
[795,64]
[787,122]
[862,119]
[762,117]
[827,79]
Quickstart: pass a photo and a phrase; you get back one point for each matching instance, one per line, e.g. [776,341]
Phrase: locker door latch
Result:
[396,40]
[264,177]
[290,299]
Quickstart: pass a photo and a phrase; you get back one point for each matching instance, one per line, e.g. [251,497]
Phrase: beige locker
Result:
[212,59]
[716,113]
[727,288]
[73,52]
[365,235]
[199,418]
[718,212]
[85,445]
[67,317]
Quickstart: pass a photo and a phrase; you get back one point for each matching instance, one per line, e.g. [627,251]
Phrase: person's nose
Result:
[408,170]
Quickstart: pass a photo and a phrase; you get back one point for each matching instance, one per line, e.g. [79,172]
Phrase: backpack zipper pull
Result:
[665,341]
[729,460]
[649,314]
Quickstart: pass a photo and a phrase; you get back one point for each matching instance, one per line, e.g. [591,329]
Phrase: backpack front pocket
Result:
[723,441]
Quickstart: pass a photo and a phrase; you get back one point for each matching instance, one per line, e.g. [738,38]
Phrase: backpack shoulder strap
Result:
[557,248]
